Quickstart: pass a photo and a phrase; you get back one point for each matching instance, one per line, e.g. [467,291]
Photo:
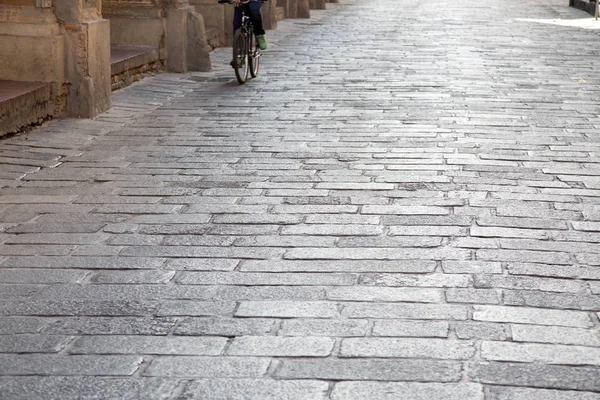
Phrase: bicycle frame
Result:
[247,60]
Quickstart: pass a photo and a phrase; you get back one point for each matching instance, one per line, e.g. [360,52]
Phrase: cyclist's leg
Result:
[237,23]
[256,18]
[237,18]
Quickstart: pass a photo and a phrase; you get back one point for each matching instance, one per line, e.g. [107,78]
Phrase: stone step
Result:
[23,104]
[585,5]
[129,64]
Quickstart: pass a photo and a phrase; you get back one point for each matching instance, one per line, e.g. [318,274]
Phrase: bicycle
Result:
[246,54]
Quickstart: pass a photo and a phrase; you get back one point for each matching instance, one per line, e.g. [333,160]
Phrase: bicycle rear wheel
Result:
[254,56]
[240,57]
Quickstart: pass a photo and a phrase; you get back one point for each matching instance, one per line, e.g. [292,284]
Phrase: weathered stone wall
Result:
[171,26]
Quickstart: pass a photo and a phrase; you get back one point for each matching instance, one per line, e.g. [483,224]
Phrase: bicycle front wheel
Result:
[240,57]
[254,56]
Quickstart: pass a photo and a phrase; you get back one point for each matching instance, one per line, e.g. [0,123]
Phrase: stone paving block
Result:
[555,271]
[267,389]
[17,307]
[502,232]
[315,209]
[40,276]
[471,267]
[195,308]
[400,390]
[529,283]
[111,326]
[124,277]
[507,393]
[41,364]
[536,375]
[170,219]
[574,301]
[229,327]
[207,367]
[244,230]
[287,309]
[383,294]
[163,345]
[83,262]
[33,199]
[23,325]
[270,293]
[324,327]
[281,346]
[225,209]
[546,353]
[56,238]
[32,343]
[55,228]
[555,334]
[80,387]
[421,280]
[410,328]
[131,292]
[285,241]
[264,279]
[201,252]
[524,315]
[407,348]
[333,230]
[475,296]
[178,226]
[194,240]
[428,231]
[257,219]
[343,219]
[404,210]
[201,264]
[375,254]
[481,330]
[36,250]
[523,223]
[371,370]
[428,220]
[414,266]
[16,291]
[544,257]
[387,241]
[404,311]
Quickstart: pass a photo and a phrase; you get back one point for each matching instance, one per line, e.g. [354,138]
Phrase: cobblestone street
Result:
[405,204]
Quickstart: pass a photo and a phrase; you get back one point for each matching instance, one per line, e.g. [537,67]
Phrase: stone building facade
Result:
[63,57]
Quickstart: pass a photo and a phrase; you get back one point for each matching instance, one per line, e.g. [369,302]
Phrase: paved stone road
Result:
[405,205]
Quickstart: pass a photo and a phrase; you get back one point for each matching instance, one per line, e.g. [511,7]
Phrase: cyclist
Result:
[252,8]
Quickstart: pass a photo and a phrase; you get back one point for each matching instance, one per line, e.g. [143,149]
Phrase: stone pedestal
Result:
[317,4]
[269,14]
[87,50]
[31,44]
[303,9]
[213,14]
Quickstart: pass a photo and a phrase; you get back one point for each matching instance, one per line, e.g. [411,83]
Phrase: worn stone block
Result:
[371,369]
